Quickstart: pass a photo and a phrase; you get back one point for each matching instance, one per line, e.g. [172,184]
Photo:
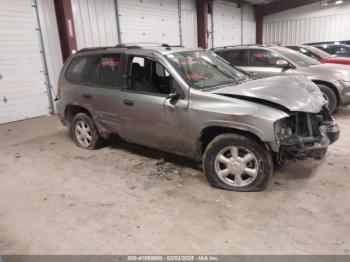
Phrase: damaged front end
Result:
[305,135]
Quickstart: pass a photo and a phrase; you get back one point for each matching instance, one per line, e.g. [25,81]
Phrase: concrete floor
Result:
[59,199]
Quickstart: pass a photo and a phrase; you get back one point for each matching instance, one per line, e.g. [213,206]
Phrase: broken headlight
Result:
[283,128]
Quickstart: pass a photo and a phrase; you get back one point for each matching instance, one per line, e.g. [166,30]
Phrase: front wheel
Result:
[330,96]
[237,163]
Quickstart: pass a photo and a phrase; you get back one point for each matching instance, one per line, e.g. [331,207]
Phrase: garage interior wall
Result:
[226,24]
[230,25]
[95,23]
[249,25]
[309,23]
[189,23]
[149,21]
[22,86]
[51,42]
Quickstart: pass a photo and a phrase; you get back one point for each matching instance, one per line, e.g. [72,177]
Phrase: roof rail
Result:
[258,45]
[86,49]
[129,46]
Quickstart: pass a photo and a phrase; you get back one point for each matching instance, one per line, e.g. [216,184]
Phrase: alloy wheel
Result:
[83,133]
[236,166]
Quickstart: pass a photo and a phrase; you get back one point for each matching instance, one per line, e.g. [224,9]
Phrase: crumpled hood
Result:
[296,93]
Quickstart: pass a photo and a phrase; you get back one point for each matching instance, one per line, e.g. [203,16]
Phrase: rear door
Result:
[104,82]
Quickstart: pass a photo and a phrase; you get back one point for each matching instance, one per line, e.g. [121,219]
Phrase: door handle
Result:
[128,102]
[87,96]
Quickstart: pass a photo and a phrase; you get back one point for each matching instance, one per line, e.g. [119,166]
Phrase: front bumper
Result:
[316,148]
[345,95]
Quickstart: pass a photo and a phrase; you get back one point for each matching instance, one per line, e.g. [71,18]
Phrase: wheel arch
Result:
[331,86]
[72,109]
[210,132]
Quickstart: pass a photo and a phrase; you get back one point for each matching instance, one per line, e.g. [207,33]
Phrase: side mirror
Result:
[173,96]
[282,63]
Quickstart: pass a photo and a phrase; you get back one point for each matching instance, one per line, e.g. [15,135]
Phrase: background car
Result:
[345,42]
[267,61]
[335,50]
[320,55]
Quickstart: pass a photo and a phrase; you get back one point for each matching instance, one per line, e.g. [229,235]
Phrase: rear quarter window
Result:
[75,69]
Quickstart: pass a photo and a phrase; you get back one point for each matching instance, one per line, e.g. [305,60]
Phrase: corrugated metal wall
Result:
[309,23]
[95,23]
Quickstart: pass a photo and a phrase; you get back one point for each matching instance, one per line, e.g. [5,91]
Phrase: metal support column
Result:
[43,57]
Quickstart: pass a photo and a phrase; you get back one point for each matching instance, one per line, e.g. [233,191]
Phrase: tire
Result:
[330,96]
[217,153]
[84,132]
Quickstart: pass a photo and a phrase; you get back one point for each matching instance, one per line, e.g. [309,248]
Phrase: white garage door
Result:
[149,21]
[23,93]
[95,23]
[226,22]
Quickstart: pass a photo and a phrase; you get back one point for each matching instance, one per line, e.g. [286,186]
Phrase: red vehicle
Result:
[320,55]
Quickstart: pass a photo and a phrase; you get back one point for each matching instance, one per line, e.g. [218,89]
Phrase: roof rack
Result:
[86,49]
[258,45]
[129,46]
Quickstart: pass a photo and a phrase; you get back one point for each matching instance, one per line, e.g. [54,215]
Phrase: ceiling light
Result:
[338,2]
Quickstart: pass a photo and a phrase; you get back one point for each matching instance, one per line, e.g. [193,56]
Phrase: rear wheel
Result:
[330,96]
[84,131]
[237,163]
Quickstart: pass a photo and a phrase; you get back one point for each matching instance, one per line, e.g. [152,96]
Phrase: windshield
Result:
[206,70]
[297,58]
[318,52]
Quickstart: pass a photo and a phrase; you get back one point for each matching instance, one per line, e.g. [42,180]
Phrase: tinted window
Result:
[296,57]
[90,74]
[308,53]
[76,68]
[262,58]
[234,57]
[109,70]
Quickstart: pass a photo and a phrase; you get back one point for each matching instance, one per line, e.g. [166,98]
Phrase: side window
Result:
[75,69]
[148,75]
[308,53]
[262,58]
[109,70]
[90,74]
[235,57]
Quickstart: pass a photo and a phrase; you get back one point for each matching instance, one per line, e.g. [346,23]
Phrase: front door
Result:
[262,63]
[150,117]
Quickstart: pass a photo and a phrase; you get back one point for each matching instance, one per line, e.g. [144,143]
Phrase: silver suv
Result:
[193,103]
[267,61]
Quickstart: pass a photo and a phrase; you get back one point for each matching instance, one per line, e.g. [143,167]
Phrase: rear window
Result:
[75,69]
